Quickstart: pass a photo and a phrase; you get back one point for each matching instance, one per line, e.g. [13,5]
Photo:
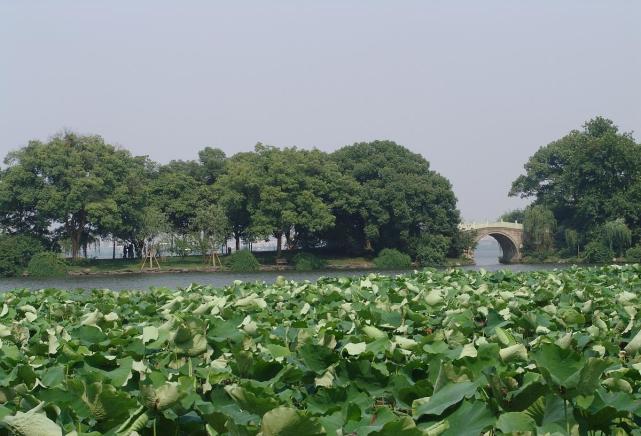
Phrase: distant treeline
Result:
[73,189]
[586,188]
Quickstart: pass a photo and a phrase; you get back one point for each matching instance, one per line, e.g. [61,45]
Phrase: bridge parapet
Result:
[485,225]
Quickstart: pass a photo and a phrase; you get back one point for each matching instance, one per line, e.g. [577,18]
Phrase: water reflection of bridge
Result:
[508,235]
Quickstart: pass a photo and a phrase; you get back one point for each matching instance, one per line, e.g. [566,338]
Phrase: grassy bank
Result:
[195,263]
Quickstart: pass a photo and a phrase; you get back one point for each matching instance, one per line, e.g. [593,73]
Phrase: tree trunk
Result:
[113,252]
[288,240]
[368,245]
[75,227]
[237,237]
[279,243]
[138,246]
[75,243]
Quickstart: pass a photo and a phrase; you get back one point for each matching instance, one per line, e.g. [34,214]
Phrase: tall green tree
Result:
[180,188]
[401,198]
[154,225]
[178,193]
[72,182]
[571,238]
[212,162]
[237,190]
[211,228]
[133,199]
[539,226]
[513,216]
[289,194]
[617,236]
[587,177]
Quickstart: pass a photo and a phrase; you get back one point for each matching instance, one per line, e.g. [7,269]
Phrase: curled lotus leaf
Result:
[32,423]
[514,352]
[373,332]
[160,398]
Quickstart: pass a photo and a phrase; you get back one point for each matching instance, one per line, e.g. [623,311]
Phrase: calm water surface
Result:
[486,256]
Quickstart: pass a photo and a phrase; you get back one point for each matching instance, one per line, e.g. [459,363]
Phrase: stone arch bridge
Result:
[508,235]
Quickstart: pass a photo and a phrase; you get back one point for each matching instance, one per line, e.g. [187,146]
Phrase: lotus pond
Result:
[435,352]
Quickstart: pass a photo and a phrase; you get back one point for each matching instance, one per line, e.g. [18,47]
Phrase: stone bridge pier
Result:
[508,235]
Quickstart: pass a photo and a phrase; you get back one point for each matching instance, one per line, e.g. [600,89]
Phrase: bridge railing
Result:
[485,225]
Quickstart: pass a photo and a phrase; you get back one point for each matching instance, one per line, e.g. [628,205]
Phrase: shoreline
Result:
[356,266]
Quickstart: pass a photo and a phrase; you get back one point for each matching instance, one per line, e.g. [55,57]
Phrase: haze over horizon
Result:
[475,87]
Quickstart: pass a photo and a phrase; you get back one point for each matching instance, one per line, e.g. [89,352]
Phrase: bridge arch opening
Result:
[509,237]
[493,245]
[486,252]
[509,250]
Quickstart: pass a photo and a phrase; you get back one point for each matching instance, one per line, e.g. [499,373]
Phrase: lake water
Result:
[486,256]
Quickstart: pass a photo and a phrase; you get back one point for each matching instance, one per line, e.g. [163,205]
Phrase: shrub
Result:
[308,262]
[391,258]
[633,254]
[597,252]
[47,264]
[81,261]
[15,253]
[243,261]
[432,249]
[540,256]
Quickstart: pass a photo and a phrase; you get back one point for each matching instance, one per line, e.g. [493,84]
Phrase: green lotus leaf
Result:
[160,398]
[355,349]
[287,421]
[149,333]
[514,352]
[470,419]
[373,333]
[252,399]
[513,422]
[32,423]
[447,396]
[490,352]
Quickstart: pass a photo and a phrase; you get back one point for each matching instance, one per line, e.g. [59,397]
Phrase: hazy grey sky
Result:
[474,86]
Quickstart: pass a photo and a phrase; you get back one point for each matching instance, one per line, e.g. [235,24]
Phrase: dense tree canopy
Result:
[513,216]
[292,185]
[72,183]
[212,229]
[177,194]
[236,189]
[362,197]
[587,178]
[400,197]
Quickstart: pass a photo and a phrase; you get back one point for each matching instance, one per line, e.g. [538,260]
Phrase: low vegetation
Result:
[435,352]
[597,252]
[633,254]
[242,261]
[308,262]
[390,258]
[15,253]
[47,264]
[431,250]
